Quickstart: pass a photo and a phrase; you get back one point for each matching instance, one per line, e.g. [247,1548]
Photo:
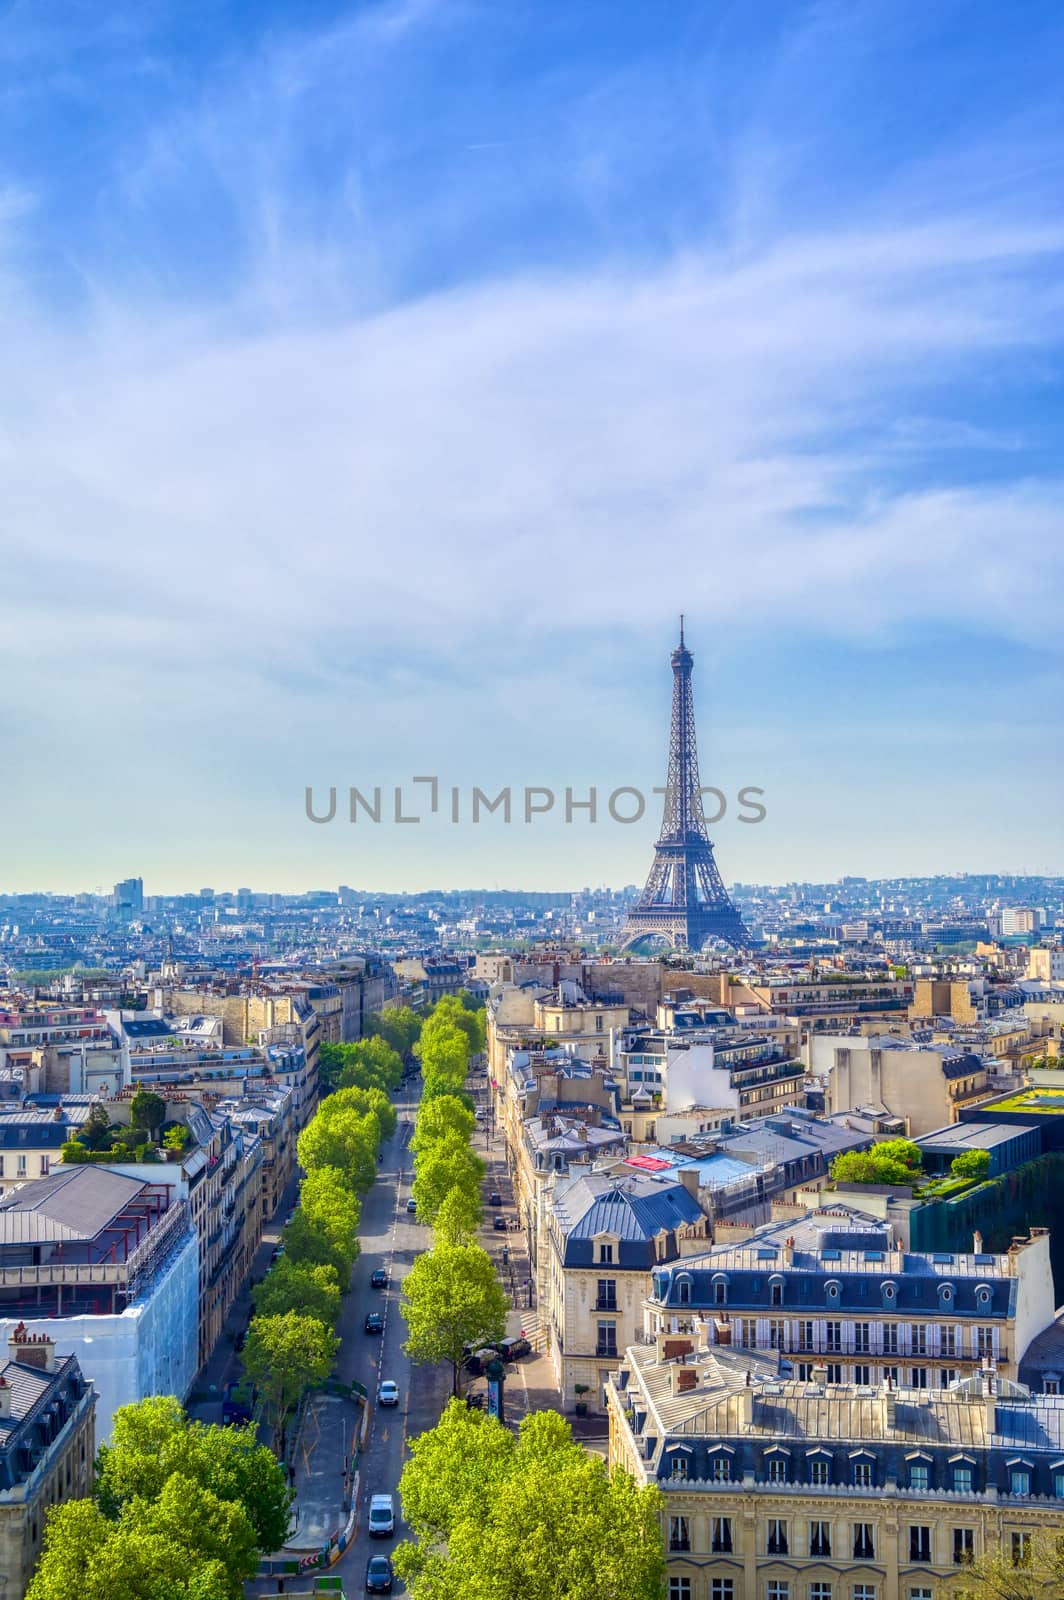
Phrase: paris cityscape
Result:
[532,864]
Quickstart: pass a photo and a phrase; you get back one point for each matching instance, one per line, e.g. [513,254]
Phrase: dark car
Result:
[499,1223]
[379,1575]
[374,1322]
[379,1278]
[514,1349]
[494,1199]
[477,1363]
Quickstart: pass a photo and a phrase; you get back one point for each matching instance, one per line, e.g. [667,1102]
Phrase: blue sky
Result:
[381,380]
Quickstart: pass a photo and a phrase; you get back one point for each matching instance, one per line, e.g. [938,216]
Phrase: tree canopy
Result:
[182,1511]
[283,1355]
[892,1161]
[496,1516]
[293,1285]
[154,1438]
[458,1218]
[995,1576]
[345,1140]
[445,1114]
[452,1298]
[399,1028]
[447,1164]
[971,1164]
[323,1228]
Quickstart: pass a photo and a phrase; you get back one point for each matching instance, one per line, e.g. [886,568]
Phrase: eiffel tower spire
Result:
[684,900]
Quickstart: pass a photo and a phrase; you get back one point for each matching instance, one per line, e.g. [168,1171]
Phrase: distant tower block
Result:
[685,901]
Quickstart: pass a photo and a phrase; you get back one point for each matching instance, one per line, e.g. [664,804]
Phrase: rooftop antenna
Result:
[681,627]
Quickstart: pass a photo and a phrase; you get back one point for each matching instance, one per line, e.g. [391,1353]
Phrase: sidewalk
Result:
[323,1455]
[224,1364]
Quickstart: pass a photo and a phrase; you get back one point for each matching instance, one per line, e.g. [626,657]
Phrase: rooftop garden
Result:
[102,1140]
[1033,1099]
[896,1161]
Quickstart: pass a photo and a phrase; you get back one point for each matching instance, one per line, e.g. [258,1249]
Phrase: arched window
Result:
[720,1289]
[683,1290]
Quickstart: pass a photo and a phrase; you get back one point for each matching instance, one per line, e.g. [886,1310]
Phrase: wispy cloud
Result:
[320,390]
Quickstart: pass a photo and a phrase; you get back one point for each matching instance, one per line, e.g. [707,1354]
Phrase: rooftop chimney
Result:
[31,1349]
[788,1253]
[977,1243]
[746,1401]
[820,1372]
[5,1397]
[890,1403]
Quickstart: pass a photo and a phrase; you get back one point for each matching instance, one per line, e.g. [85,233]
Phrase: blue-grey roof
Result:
[634,1210]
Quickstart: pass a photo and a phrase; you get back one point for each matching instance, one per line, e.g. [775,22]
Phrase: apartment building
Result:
[778,1489]
[61,1049]
[32,1137]
[606,1233]
[834,1288]
[47,1448]
[924,1087]
[106,1265]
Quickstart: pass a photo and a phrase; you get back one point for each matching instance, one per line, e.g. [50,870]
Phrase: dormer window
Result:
[832,1289]
[683,1291]
[605,1254]
[945,1294]
[720,1290]
[775,1286]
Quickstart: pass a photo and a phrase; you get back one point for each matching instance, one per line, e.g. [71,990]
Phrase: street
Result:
[390,1239]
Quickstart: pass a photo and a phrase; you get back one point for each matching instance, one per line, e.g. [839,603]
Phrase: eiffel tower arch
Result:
[684,902]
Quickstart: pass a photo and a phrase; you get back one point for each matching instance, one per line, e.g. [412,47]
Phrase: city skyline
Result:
[383,380]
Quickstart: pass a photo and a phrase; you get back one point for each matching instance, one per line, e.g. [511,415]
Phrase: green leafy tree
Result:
[96,1133]
[494,1514]
[399,1028]
[346,1141]
[445,1114]
[330,1065]
[299,1286]
[452,1298]
[370,1064]
[447,1164]
[323,1230]
[995,1576]
[283,1356]
[176,1137]
[153,1439]
[362,1101]
[444,1060]
[971,1164]
[148,1110]
[186,1545]
[893,1161]
[458,1218]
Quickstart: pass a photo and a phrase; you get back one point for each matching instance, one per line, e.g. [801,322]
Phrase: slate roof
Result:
[851,1249]
[75,1203]
[634,1211]
[841,1421]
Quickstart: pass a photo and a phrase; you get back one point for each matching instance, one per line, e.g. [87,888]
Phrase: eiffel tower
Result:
[685,900]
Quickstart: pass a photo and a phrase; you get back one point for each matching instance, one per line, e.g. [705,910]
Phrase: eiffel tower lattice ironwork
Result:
[685,900]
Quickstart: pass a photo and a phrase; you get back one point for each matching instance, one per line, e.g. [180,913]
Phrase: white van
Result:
[381,1516]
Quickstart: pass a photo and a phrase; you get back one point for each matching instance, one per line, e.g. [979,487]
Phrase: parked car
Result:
[494,1199]
[388,1394]
[480,1115]
[379,1575]
[374,1322]
[411,1206]
[478,1362]
[499,1223]
[381,1516]
[379,1278]
[514,1349]
[238,1403]
[276,1253]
